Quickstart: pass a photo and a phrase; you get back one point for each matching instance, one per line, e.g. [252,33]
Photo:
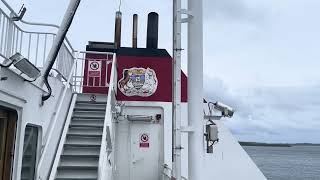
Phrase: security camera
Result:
[226,110]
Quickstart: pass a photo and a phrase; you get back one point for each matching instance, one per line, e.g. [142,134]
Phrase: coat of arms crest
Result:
[138,82]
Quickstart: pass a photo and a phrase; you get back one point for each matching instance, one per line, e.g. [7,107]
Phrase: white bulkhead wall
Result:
[228,162]
[25,98]
[123,150]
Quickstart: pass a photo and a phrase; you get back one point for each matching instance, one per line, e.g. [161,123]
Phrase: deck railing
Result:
[81,80]
[167,174]
[107,142]
[34,45]
[69,65]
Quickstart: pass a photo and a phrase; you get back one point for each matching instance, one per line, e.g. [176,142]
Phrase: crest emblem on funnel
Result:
[138,82]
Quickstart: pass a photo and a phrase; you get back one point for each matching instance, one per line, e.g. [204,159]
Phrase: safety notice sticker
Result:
[93,98]
[94,68]
[144,141]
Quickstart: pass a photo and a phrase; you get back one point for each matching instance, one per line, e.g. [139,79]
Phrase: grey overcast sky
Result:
[261,56]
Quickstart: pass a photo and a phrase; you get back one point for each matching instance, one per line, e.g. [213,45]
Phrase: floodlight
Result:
[25,66]
[226,110]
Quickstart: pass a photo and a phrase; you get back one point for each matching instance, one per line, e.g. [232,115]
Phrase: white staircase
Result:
[79,159]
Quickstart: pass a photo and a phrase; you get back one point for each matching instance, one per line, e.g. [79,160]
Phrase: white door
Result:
[146,146]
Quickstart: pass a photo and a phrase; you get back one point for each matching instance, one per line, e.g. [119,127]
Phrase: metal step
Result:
[77,167]
[81,145]
[72,179]
[84,126]
[79,178]
[100,98]
[88,118]
[75,140]
[90,107]
[98,114]
[88,122]
[81,150]
[84,136]
[85,130]
[83,102]
[88,103]
[79,159]
[77,174]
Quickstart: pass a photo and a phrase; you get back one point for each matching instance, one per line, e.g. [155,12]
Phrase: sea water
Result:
[287,163]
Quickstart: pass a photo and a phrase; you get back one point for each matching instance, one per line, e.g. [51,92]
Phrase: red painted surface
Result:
[93,83]
[163,68]
[144,145]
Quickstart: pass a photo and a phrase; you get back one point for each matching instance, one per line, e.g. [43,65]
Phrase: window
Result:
[29,153]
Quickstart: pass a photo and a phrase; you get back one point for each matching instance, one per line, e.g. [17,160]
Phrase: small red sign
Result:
[144,145]
[94,68]
[144,141]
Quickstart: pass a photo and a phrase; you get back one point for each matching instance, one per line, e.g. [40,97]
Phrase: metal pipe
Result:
[65,25]
[152,31]
[176,83]
[117,37]
[135,31]
[196,151]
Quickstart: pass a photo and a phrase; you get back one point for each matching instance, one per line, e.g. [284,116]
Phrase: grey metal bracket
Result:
[207,117]
[185,12]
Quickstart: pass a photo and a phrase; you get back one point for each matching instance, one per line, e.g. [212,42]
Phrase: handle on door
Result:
[136,160]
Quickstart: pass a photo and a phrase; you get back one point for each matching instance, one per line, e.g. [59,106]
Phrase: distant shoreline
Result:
[276,144]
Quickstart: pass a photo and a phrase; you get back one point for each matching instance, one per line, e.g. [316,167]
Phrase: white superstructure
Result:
[111,113]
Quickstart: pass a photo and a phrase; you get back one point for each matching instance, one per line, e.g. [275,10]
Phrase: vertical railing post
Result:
[76,55]
[9,38]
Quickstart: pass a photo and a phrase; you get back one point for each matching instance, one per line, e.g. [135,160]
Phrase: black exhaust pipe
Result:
[152,32]
[135,31]
[117,36]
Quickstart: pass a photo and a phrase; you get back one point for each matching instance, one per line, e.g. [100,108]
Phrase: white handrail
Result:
[105,151]
[34,45]
[27,22]
[49,133]
[36,23]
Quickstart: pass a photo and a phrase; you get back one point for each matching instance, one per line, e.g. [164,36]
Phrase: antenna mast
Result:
[195,88]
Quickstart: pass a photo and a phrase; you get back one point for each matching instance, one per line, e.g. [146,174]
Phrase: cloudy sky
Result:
[261,56]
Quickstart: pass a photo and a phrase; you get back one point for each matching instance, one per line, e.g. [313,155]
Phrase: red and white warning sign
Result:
[93,98]
[144,141]
[94,68]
